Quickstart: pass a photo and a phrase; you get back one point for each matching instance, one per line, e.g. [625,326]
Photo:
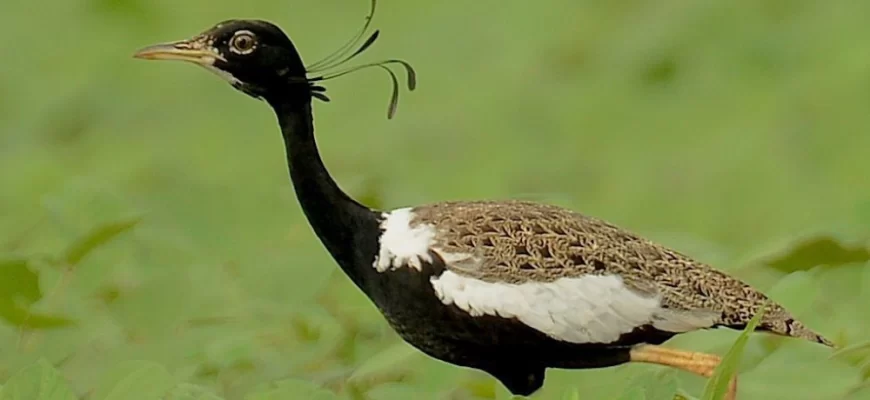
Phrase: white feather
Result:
[402,245]
[587,309]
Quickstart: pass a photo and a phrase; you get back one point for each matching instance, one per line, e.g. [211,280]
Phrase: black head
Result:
[259,59]
[254,56]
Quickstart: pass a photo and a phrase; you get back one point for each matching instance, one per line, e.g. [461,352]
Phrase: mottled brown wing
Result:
[521,241]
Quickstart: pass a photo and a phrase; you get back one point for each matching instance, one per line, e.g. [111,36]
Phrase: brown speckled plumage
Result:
[520,241]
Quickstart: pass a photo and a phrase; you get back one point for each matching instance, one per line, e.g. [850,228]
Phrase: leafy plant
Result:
[19,291]
[20,286]
[40,381]
[814,251]
[717,386]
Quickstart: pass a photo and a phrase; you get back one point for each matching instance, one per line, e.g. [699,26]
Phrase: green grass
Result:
[151,242]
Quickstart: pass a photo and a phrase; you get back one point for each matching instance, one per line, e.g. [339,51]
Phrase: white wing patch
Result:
[402,245]
[587,309]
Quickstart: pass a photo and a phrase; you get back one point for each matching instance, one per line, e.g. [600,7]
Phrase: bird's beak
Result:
[195,51]
[198,51]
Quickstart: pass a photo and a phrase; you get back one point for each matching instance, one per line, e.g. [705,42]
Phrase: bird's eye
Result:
[243,42]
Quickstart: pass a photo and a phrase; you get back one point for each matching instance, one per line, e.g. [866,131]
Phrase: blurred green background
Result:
[152,242]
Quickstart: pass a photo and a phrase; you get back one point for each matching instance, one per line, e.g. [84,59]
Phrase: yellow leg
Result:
[697,363]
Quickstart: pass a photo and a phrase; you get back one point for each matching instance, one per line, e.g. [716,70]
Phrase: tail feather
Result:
[796,329]
[779,321]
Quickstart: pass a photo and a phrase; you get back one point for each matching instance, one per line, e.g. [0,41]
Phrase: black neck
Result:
[348,230]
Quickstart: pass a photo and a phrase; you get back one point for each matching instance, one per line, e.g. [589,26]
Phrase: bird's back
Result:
[518,241]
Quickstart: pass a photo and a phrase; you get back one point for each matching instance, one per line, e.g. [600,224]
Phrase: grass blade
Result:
[717,385]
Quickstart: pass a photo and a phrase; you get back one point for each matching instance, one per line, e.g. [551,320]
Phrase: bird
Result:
[508,287]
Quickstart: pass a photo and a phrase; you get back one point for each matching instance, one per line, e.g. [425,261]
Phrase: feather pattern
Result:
[546,259]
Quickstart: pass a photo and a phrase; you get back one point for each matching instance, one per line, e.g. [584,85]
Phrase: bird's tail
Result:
[779,321]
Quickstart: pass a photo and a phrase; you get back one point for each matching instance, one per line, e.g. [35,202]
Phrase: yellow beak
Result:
[190,51]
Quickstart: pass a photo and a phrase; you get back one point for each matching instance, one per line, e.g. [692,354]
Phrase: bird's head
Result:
[254,56]
[259,59]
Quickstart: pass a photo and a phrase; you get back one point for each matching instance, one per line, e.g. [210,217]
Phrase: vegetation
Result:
[151,246]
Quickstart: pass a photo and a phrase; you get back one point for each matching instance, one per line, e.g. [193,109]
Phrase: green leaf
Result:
[186,391]
[40,381]
[385,366]
[717,385]
[659,385]
[47,321]
[96,238]
[18,283]
[821,250]
[21,317]
[663,387]
[19,289]
[292,389]
[135,380]
[798,370]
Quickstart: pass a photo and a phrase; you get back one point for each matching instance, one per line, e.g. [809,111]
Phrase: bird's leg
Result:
[696,363]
